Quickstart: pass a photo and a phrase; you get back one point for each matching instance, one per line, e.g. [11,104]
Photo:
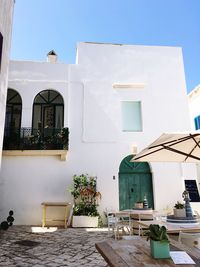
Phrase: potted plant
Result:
[179,210]
[85,213]
[159,241]
[139,204]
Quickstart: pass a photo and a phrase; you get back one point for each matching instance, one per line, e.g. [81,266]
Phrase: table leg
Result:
[65,219]
[44,216]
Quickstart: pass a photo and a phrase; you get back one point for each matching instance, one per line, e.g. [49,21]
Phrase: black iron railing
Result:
[35,139]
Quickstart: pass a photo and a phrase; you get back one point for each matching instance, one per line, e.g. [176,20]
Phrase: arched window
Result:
[13,112]
[48,110]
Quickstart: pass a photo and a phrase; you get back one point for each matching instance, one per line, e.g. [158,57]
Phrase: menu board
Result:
[191,187]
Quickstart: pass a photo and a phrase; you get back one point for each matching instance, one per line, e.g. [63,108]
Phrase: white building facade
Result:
[194,106]
[6,16]
[115,100]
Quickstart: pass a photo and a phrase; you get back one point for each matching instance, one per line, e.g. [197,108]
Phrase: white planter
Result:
[179,213]
[84,221]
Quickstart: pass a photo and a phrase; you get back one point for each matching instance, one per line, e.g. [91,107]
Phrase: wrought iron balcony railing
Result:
[35,139]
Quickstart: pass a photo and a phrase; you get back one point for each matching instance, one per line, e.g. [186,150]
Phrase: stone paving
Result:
[72,247]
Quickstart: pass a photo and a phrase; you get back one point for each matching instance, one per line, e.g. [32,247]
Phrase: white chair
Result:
[197,214]
[111,220]
[192,240]
[69,215]
[138,229]
[123,223]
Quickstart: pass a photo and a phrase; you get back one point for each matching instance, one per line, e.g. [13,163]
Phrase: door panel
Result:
[147,188]
[123,194]
[135,181]
[133,187]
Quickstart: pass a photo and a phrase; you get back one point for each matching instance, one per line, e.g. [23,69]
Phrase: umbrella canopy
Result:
[173,147]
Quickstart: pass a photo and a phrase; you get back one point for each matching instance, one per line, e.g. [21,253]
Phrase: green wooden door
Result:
[135,181]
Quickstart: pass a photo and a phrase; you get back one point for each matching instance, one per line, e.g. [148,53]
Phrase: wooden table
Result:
[139,211]
[172,227]
[56,205]
[136,253]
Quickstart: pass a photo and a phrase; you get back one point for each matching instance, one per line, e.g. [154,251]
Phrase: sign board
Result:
[191,187]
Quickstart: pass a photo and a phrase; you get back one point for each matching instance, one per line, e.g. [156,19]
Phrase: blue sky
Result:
[42,25]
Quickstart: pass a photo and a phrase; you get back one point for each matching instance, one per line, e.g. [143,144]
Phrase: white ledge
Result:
[128,85]
[61,153]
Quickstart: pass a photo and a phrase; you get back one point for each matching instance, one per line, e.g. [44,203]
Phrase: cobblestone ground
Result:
[72,247]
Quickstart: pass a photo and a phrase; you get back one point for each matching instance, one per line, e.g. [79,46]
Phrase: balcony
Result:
[29,141]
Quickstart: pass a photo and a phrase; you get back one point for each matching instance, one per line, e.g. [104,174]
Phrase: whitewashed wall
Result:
[29,78]
[194,104]
[194,107]
[6,15]
[92,112]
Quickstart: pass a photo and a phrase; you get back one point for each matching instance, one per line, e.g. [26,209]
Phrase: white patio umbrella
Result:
[172,147]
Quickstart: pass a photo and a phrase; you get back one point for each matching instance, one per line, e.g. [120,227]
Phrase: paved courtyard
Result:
[20,246]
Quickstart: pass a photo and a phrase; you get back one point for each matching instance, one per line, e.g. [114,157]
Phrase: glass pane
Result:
[48,117]
[53,95]
[58,100]
[131,116]
[16,116]
[8,116]
[36,116]
[59,117]
[197,123]
[39,100]
[13,97]
[45,95]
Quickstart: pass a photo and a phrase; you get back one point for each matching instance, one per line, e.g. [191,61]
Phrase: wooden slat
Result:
[111,257]
[55,204]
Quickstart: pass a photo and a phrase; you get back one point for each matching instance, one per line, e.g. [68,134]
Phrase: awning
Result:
[172,147]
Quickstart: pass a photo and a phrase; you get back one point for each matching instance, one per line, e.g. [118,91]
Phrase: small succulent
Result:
[157,233]
[179,205]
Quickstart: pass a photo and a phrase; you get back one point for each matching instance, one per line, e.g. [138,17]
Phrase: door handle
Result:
[132,190]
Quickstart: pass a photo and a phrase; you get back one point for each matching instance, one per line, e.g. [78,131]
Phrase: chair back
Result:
[122,217]
[190,239]
[137,229]
[123,223]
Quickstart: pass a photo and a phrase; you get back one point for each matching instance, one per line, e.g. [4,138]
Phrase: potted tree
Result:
[159,241]
[179,209]
[85,213]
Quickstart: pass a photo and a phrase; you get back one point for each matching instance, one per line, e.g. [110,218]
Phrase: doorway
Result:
[135,181]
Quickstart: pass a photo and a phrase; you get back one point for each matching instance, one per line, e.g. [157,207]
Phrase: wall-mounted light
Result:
[134,149]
